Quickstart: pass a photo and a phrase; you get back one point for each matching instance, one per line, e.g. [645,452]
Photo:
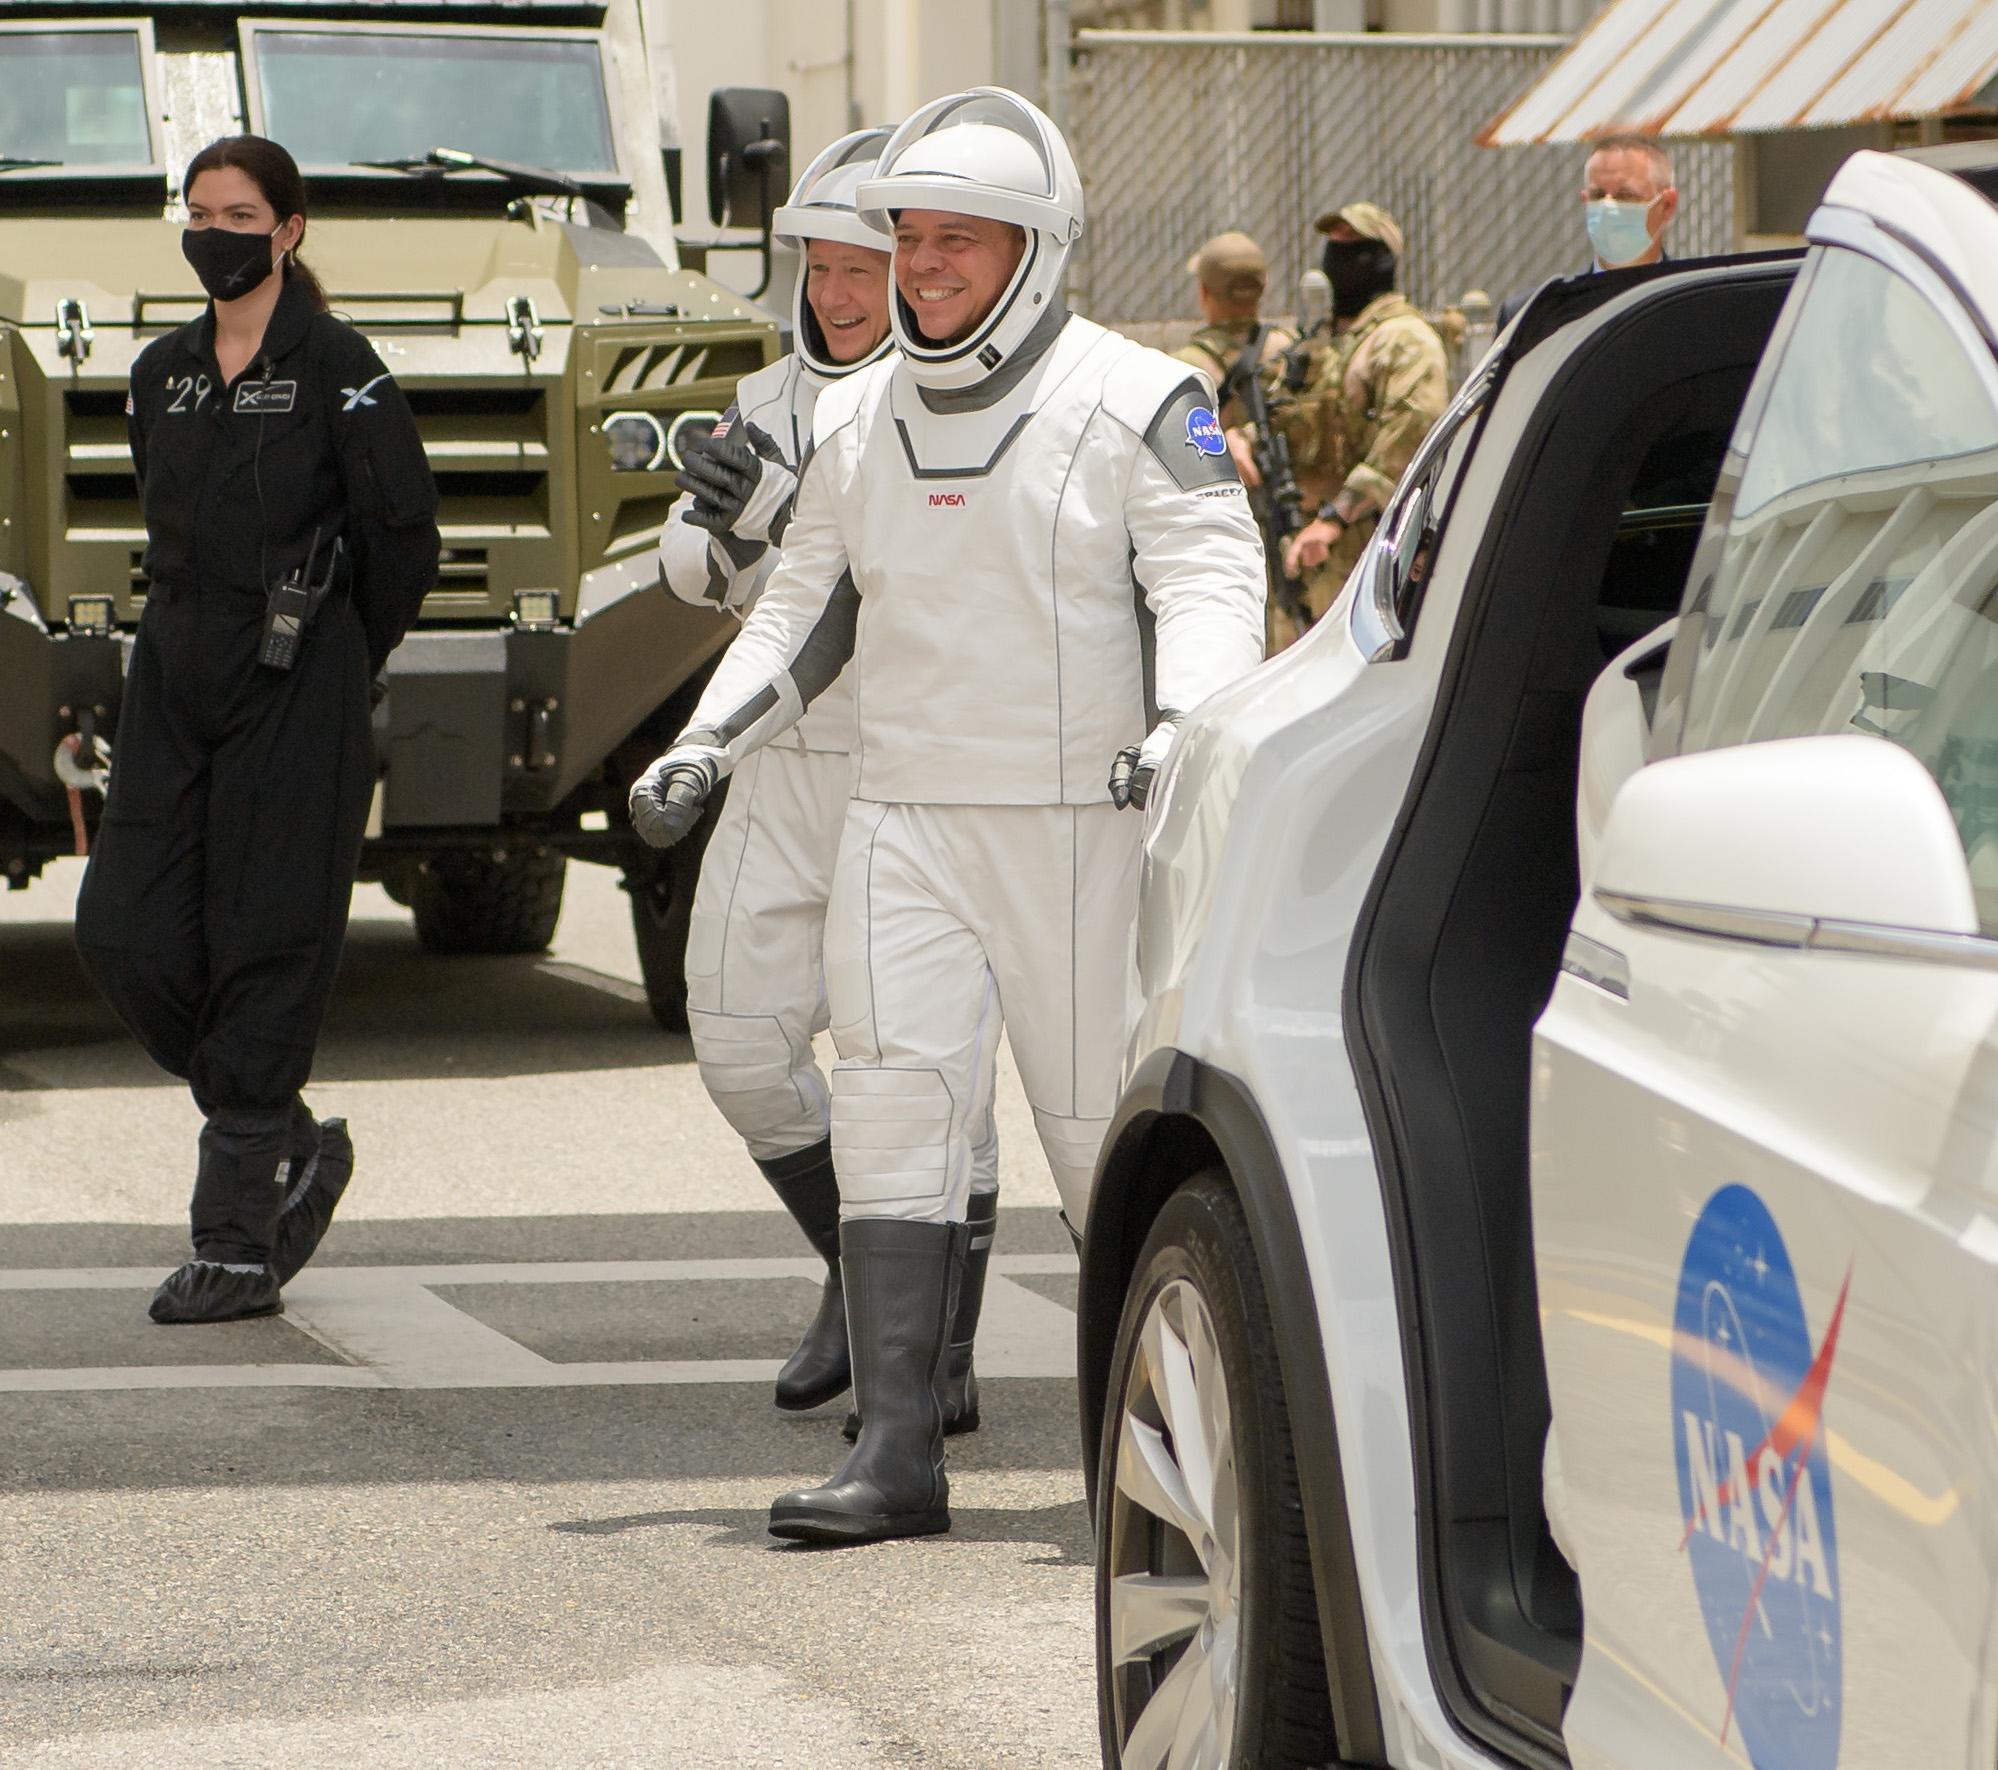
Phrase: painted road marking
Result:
[399,1334]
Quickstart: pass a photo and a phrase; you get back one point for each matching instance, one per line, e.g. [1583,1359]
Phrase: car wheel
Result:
[471,903]
[1207,1642]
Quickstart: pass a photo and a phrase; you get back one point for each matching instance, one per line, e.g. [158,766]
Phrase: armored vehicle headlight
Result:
[91,614]
[688,429]
[637,442]
[536,610]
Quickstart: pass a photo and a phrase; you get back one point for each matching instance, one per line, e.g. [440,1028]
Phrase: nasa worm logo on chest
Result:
[1203,431]
[1755,1490]
[947,501]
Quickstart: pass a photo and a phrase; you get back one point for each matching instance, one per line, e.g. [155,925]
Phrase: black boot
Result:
[233,1218]
[322,1162]
[957,1386]
[901,1289]
[821,1367]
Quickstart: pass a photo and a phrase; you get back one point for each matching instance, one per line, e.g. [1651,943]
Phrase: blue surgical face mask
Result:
[1619,232]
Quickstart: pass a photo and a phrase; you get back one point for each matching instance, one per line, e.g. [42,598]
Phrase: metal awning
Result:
[1726,67]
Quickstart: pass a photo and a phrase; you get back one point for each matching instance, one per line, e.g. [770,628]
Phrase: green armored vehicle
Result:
[491,207]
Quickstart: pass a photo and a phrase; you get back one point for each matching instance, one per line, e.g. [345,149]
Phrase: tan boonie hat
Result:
[1232,266]
[1369,220]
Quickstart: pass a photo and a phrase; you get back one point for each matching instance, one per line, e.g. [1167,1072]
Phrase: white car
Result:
[1617,1390]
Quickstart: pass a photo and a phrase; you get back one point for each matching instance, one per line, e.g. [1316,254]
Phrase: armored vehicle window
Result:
[73,98]
[338,97]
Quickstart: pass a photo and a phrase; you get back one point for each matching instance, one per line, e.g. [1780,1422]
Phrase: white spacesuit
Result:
[755,963]
[1031,543]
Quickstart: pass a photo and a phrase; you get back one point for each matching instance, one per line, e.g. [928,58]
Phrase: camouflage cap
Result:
[1232,266]
[1369,220]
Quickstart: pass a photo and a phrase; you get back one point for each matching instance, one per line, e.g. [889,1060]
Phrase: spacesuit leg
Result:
[755,950]
[755,997]
[1058,902]
[916,1019]
[915,1015]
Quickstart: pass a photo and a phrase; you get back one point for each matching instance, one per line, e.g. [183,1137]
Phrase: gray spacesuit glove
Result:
[1137,765]
[668,798]
[739,484]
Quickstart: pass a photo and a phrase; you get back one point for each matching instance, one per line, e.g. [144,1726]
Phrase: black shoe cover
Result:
[308,1205]
[208,1290]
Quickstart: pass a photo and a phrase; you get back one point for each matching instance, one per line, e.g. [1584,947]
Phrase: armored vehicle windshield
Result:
[347,98]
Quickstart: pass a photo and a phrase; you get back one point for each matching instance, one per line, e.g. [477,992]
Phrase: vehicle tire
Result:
[471,903]
[1207,1644]
[662,911]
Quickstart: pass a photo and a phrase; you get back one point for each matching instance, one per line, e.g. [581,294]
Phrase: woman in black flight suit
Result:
[215,904]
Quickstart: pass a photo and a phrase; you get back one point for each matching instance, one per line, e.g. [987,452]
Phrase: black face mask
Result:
[1359,271]
[228,264]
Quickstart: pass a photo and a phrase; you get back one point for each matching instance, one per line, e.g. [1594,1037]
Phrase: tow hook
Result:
[82,764]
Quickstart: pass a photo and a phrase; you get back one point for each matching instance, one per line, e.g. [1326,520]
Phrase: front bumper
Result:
[482,724]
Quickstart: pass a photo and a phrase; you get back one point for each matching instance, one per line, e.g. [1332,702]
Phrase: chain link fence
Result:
[1179,138]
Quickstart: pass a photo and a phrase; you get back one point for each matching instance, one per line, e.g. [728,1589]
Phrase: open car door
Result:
[1766,1085]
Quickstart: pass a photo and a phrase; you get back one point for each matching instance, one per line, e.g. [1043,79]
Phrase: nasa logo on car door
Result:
[1748,1397]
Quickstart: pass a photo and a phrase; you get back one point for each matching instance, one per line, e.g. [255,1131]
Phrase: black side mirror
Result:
[749,155]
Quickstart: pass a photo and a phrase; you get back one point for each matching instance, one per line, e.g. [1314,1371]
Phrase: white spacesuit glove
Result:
[739,484]
[668,798]
[1137,765]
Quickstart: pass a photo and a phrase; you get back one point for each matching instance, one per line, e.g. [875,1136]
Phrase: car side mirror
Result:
[1773,842]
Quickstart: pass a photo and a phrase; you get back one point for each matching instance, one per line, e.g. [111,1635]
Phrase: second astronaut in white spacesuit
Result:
[1027,535]
[755,989]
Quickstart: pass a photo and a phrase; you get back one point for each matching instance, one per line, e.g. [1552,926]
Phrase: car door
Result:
[1766,1084]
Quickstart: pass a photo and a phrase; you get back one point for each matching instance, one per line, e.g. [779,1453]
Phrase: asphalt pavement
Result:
[493,1489]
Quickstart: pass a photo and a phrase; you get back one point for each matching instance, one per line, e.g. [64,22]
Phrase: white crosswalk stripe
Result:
[395,1332]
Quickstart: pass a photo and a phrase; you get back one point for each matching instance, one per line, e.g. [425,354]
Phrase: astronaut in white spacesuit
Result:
[1027,534]
[755,989]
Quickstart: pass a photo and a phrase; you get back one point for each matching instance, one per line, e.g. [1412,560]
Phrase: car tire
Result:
[1207,1641]
[471,903]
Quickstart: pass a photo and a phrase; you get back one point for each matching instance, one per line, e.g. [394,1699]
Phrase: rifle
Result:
[1282,511]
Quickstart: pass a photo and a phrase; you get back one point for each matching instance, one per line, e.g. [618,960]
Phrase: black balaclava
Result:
[1359,271]
[229,264]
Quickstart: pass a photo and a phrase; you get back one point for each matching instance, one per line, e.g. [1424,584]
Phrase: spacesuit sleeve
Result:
[713,571]
[1198,557]
[799,635]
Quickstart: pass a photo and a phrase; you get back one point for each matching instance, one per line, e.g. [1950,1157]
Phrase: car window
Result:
[1857,582]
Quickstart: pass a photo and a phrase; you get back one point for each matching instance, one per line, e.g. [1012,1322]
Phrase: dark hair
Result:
[277,177]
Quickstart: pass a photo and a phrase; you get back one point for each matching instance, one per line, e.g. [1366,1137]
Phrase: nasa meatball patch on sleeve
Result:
[1186,437]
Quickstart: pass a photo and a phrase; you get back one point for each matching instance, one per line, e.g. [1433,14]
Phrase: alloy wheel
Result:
[1175,1586]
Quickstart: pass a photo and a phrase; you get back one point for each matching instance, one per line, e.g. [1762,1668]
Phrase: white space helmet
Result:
[986,152]
[823,207]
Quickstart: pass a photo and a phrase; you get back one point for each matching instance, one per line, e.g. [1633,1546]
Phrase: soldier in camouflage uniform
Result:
[1230,274]
[1369,392]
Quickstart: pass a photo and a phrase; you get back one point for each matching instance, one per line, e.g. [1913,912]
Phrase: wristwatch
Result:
[1329,512]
